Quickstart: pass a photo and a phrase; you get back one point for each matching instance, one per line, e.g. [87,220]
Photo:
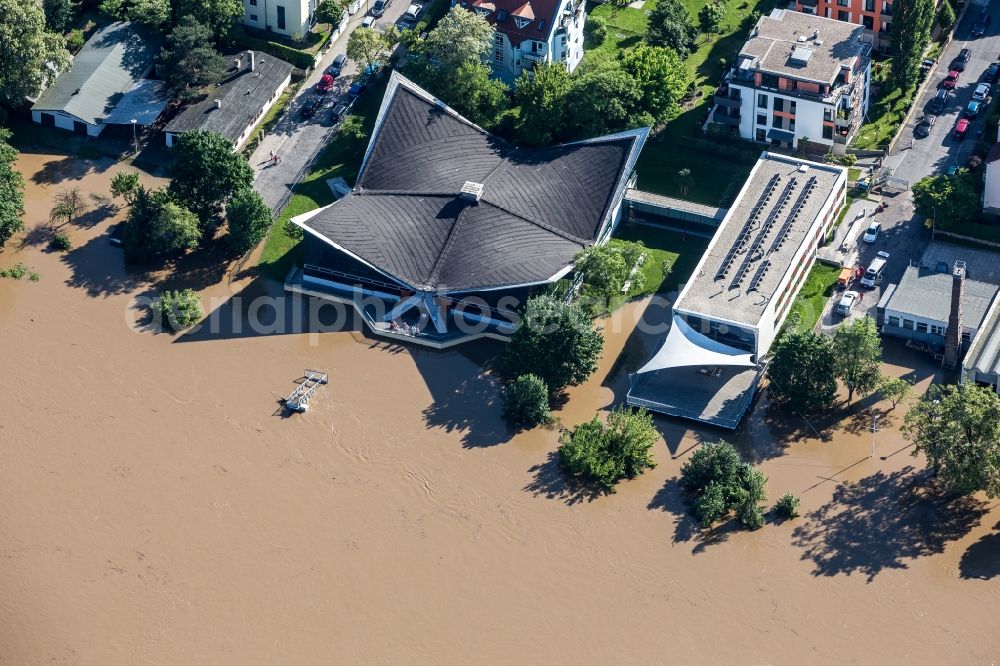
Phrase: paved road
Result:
[295,138]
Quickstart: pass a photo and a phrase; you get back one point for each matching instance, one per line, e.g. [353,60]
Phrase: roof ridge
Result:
[409,193]
[538,223]
[448,242]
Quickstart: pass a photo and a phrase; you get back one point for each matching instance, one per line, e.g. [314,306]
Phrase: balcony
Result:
[728,97]
[727,116]
[533,57]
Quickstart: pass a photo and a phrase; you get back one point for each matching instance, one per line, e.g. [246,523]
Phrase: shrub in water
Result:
[61,242]
[178,310]
[608,453]
[787,506]
[526,402]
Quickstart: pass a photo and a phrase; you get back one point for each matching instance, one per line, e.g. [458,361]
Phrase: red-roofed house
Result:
[529,32]
[991,193]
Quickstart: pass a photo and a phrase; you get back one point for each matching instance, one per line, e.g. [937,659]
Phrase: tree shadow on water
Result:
[550,481]
[670,499]
[982,559]
[882,522]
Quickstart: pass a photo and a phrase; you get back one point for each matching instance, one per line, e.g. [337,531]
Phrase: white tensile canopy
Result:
[685,346]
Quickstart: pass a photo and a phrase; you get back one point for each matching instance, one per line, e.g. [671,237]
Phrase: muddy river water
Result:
[155,508]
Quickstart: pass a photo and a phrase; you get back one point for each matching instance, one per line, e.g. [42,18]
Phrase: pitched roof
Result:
[537,17]
[928,296]
[407,218]
[242,95]
[112,60]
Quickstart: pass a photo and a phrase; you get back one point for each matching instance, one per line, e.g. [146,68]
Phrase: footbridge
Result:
[646,204]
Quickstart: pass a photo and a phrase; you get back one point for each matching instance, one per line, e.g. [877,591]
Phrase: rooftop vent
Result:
[218,103]
[801,39]
[803,168]
[800,55]
[471,191]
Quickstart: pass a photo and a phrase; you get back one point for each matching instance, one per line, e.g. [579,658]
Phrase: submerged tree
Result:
[608,453]
[11,190]
[802,368]
[857,353]
[69,204]
[716,482]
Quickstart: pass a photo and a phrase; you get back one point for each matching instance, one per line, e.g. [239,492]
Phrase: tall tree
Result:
[710,17]
[11,189]
[59,14]
[948,200]
[365,46]
[670,25]
[460,37]
[470,89]
[555,341]
[330,11]
[154,13]
[608,453]
[857,353]
[69,204]
[219,15]
[946,15]
[911,31]
[543,99]
[28,52]
[958,429]
[606,267]
[189,62]
[603,98]
[249,219]
[124,184]
[661,76]
[207,172]
[156,226]
[802,368]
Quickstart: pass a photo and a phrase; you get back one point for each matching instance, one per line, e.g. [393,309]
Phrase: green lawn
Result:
[715,179]
[626,26]
[682,251]
[886,111]
[341,157]
[816,291]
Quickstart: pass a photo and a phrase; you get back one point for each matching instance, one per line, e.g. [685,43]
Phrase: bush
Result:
[61,242]
[75,40]
[596,31]
[15,272]
[178,310]
[787,506]
[526,402]
[606,454]
[716,482]
[295,57]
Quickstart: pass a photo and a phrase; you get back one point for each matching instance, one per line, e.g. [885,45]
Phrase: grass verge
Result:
[886,111]
[681,251]
[816,291]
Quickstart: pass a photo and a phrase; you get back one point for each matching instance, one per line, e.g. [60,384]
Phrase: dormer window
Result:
[522,23]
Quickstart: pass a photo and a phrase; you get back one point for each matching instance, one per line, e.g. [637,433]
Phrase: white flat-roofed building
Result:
[727,316]
[797,77]
[291,18]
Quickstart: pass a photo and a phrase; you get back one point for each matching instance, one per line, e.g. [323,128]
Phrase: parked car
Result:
[962,59]
[340,111]
[310,107]
[378,9]
[982,23]
[951,80]
[368,21]
[940,101]
[847,302]
[371,70]
[356,89]
[990,75]
[325,84]
[961,128]
[972,109]
[871,233]
[412,13]
[337,66]
[925,126]
[982,92]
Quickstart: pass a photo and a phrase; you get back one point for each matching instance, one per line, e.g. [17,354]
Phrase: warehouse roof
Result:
[927,295]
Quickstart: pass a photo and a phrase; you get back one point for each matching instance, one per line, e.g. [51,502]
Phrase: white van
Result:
[874,272]
[413,13]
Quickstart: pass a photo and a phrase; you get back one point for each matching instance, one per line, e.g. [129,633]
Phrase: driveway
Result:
[296,139]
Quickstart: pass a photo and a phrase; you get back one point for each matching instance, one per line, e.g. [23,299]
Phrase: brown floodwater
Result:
[156,508]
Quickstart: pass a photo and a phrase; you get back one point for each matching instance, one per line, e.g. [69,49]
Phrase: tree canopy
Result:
[249,219]
[857,356]
[606,268]
[219,15]
[555,341]
[365,46]
[603,98]
[156,226]
[68,204]
[710,17]
[124,184]
[958,429]
[544,117]
[911,31]
[59,14]
[188,62]
[946,15]
[670,25]
[460,37]
[802,368]
[11,189]
[526,402]
[154,13]
[330,11]
[661,76]
[716,481]
[29,54]
[608,453]
[207,172]
[949,200]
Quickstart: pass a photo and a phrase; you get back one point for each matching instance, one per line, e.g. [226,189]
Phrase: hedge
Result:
[295,57]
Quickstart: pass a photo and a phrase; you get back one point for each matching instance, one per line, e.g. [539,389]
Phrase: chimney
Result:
[471,191]
[953,336]
[218,103]
[253,65]
[236,64]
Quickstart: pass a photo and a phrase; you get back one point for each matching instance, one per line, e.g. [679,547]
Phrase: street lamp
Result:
[135,139]
[874,430]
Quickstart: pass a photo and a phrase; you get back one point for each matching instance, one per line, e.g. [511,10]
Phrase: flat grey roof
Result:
[981,265]
[687,392]
[928,295]
[242,93]
[775,47]
[754,246]
[102,72]
[984,355]
[144,102]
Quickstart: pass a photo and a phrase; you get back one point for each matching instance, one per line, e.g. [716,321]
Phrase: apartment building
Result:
[874,15]
[291,18]
[797,77]
[530,32]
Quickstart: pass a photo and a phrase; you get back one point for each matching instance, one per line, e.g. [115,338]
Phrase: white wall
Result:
[66,121]
[297,15]
[808,115]
[260,114]
[991,195]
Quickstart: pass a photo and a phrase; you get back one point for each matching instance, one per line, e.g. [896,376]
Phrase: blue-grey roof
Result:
[927,295]
[242,94]
[108,65]
[407,218]
[144,102]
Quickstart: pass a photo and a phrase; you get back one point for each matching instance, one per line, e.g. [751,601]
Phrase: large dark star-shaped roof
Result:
[407,218]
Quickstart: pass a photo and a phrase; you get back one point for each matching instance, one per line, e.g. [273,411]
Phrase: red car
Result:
[961,128]
[325,84]
[952,79]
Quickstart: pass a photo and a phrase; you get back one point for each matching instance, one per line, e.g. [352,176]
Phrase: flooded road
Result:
[155,508]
